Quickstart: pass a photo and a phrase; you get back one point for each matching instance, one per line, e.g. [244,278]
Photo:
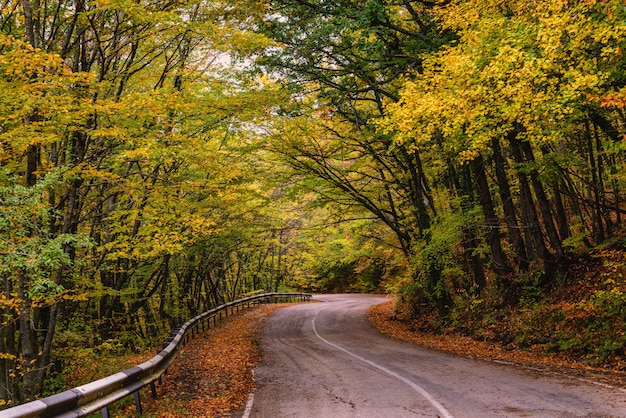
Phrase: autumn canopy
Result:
[158,158]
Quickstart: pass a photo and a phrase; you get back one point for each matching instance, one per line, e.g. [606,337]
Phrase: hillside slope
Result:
[578,323]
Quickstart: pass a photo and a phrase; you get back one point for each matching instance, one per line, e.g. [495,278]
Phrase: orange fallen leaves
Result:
[384,319]
[212,375]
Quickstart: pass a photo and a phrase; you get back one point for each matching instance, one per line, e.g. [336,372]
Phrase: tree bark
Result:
[470,241]
[594,190]
[28,344]
[530,218]
[542,200]
[510,211]
[501,264]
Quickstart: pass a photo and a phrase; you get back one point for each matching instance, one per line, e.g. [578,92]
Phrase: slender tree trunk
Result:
[501,264]
[542,200]
[601,189]
[470,241]
[32,159]
[510,211]
[594,191]
[561,214]
[574,202]
[423,183]
[417,189]
[8,384]
[528,210]
[46,349]
[28,344]
[29,23]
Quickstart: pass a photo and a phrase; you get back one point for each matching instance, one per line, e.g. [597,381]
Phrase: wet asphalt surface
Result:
[324,359]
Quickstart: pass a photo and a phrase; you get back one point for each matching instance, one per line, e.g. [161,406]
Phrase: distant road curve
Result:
[325,360]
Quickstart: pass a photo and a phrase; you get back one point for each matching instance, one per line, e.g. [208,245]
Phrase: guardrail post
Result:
[137,403]
[99,394]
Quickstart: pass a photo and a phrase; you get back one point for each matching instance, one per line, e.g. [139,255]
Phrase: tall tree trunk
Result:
[530,218]
[574,202]
[561,214]
[8,384]
[28,343]
[594,188]
[29,23]
[470,241]
[32,159]
[510,211]
[600,177]
[417,189]
[501,264]
[542,200]
[46,349]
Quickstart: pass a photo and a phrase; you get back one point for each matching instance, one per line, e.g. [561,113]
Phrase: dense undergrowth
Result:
[581,314]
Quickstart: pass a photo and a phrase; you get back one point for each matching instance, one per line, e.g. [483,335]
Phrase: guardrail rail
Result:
[98,395]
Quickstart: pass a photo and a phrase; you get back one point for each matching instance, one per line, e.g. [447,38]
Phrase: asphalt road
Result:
[325,360]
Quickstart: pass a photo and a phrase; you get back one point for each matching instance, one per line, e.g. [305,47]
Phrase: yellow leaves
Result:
[37,103]
[20,60]
[582,82]
[75,296]
[11,303]
[515,63]
[240,42]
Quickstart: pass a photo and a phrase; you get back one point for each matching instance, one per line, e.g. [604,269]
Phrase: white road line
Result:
[442,410]
[248,410]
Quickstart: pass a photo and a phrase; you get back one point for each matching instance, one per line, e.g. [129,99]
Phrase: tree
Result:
[505,84]
[112,115]
[348,59]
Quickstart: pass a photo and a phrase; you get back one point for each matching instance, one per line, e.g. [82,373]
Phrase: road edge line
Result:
[434,402]
[248,410]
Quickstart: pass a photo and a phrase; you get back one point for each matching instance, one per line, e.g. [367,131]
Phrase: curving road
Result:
[325,360]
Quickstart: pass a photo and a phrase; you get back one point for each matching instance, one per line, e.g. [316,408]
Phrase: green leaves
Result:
[28,250]
[130,179]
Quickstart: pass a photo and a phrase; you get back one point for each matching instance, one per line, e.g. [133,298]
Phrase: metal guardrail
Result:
[98,395]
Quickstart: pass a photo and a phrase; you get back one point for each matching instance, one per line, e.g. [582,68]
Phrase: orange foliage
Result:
[212,375]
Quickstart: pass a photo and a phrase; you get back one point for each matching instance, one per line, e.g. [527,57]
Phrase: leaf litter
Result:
[212,375]
[386,320]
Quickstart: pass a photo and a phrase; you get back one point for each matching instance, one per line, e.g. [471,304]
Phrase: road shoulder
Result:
[383,318]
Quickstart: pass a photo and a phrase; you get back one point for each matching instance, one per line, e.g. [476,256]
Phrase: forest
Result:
[161,157]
